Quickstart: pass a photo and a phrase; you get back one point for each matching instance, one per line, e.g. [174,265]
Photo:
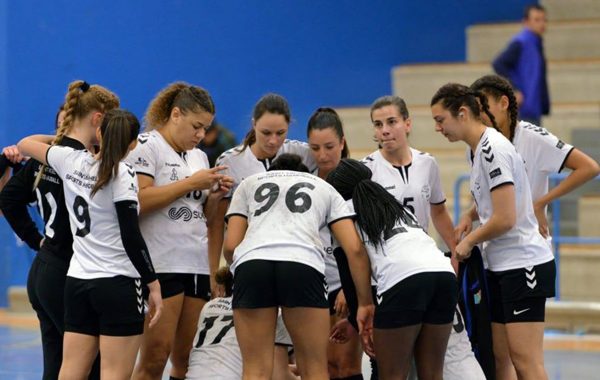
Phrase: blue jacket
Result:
[524,65]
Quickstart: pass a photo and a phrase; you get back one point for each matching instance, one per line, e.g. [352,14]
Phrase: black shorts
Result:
[266,283]
[519,295]
[104,306]
[428,297]
[331,300]
[191,285]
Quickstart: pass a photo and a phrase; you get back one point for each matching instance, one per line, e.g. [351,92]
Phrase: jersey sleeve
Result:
[125,185]
[239,203]
[437,194]
[303,150]
[338,208]
[223,160]
[144,157]
[497,166]
[551,151]
[58,158]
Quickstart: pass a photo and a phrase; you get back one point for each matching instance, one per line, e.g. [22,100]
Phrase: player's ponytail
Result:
[119,129]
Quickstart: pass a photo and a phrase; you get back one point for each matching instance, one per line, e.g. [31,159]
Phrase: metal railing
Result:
[557,238]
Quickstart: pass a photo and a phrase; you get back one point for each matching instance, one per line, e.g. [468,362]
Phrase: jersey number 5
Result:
[270,192]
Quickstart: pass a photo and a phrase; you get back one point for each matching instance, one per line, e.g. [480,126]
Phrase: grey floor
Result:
[21,359]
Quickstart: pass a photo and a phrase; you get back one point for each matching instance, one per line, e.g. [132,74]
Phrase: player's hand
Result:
[463,228]
[364,317]
[154,302]
[341,332]
[207,178]
[463,249]
[540,215]
[340,306]
[12,154]
[216,290]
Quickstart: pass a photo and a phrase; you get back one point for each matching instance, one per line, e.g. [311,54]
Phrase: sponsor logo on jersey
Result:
[174,176]
[560,144]
[185,213]
[495,173]
[141,162]
[390,187]
[170,165]
[426,192]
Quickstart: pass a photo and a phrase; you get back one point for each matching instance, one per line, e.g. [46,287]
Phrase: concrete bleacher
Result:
[573,54]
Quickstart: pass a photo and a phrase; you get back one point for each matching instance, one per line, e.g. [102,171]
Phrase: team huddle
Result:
[328,257]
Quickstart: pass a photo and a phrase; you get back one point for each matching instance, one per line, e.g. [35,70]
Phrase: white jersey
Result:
[460,362]
[407,250]
[216,353]
[332,274]
[543,154]
[243,163]
[98,250]
[415,186]
[285,211]
[176,234]
[496,162]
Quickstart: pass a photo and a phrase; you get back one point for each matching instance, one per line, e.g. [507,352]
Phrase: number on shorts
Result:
[291,197]
[226,324]
[82,214]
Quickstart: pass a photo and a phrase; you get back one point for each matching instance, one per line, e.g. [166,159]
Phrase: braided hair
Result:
[496,86]
[81,99]
[454,95]
[377,211]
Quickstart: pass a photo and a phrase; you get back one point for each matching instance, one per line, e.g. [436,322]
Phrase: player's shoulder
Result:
[294,147]
[372,159]
[231,154]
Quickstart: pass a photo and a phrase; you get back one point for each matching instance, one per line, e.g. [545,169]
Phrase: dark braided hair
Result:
[377,211]
[496,86]
[454,95]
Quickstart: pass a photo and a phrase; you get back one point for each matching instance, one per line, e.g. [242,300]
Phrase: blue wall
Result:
[314,53]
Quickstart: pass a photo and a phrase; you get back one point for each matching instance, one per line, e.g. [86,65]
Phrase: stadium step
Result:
[564,40]
[565,118]
[569,81]
[589,209]
[579,268]
[18,301]
[572,9]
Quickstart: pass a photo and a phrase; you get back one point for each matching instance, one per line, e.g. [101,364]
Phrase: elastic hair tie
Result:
[84,86]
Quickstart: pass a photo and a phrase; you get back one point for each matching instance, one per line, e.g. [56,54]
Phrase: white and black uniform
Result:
[216,353]
[415,281]
[543,153]
[416,185]
[103,288]
[176,235]
[520,262]
[332,274]
[48,272]
[285,212]
[242,163]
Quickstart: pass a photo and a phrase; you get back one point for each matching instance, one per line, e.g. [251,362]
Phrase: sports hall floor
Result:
[568,357]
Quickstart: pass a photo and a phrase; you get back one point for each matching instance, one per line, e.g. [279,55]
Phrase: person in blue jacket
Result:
[523,63]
